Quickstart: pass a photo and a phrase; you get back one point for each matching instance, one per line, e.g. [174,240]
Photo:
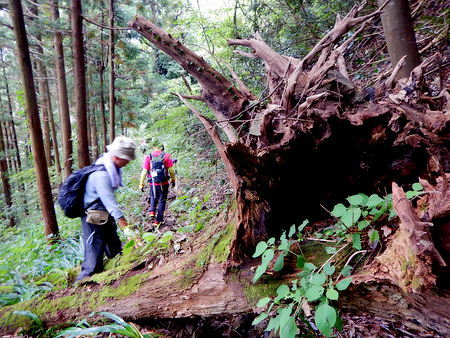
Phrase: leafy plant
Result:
[316,287]
[120,327]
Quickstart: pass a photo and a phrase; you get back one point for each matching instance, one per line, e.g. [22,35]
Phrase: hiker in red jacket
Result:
[158,169]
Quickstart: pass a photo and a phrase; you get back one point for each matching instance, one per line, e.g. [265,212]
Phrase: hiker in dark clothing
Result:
[158,169]
[99,229]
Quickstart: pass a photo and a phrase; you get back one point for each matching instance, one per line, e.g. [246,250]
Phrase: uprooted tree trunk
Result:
[314,137]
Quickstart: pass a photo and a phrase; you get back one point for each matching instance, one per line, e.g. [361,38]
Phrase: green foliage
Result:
[120,327]
[315,287]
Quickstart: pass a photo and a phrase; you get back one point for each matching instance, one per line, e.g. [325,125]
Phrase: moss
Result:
[254,292]
[315,252]
[187,277]
[222,248]
[111,275]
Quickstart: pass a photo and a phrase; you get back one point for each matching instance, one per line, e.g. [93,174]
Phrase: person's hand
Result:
[141,187]
[172,184]
[122,222]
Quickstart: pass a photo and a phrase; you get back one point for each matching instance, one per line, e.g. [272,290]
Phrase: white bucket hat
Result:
[122,147]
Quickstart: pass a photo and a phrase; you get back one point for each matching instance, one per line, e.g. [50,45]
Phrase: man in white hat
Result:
[99,229]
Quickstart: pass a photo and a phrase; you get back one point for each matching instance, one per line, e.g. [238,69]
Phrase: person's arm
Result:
[172,175]
[105,192]
[142,179]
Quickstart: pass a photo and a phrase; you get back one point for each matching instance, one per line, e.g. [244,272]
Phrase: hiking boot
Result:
[157,223]
[151,214]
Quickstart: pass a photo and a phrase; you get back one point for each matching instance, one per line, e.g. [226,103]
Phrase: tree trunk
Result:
[53,132]
[266,165]
[13,128]
[80,83]
[63,102]
[399,34]
[101,73]
[4,177]
[32,112]
[112,97]
[94,133]
[44,107]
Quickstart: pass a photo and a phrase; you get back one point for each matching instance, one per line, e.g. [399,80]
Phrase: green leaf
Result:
[279,263]
[417,187]
[285,314]
[285,244]
[291,231]
[318,279]
[412,194]
[300,261]
[363,224]
[267,257]
[351,216]
[303,225]
[339,210]
[343,284]
[274,324]
[346,271]
[325,318]
[260,270]
[309,266]
[374,200]
[314,292]
[332,294]
[30,315]
[260,248]
[271,241]
[330,250]
[263,302]
[373,236]
[355,199]
[289,330]
[260,318]
[282,291]
[329,269]
[128,248]
[356,240]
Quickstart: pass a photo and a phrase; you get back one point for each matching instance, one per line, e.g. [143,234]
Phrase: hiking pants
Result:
[158,198]
[97,240]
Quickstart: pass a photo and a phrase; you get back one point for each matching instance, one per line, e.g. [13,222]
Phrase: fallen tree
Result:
[315,132]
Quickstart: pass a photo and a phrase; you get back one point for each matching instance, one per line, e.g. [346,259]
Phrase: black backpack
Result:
[158,173]
[71,193]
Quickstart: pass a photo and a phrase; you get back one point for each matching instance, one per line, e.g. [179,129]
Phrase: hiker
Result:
[143,146]
[99,229]
[158,169]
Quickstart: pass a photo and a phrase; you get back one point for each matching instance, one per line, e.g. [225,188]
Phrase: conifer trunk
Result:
[399,34]
[80,82]
[63,102]
[4,177]
[32,112]
[112,94]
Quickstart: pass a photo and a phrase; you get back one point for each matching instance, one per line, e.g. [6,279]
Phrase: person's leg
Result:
[113,245]
[94,247]
[153,200]
[162,198]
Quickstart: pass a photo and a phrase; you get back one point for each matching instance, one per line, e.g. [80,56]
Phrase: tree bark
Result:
[4,177]
[53,132]
[80,83]
[112,94]
[63,102]
[13,128]
[399,34]
[44,107]
[32,112]
[101,73]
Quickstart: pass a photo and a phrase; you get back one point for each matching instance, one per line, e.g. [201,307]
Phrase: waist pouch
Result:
[98,217]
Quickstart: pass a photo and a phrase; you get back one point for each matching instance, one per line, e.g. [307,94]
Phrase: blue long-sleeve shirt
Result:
[98,185]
